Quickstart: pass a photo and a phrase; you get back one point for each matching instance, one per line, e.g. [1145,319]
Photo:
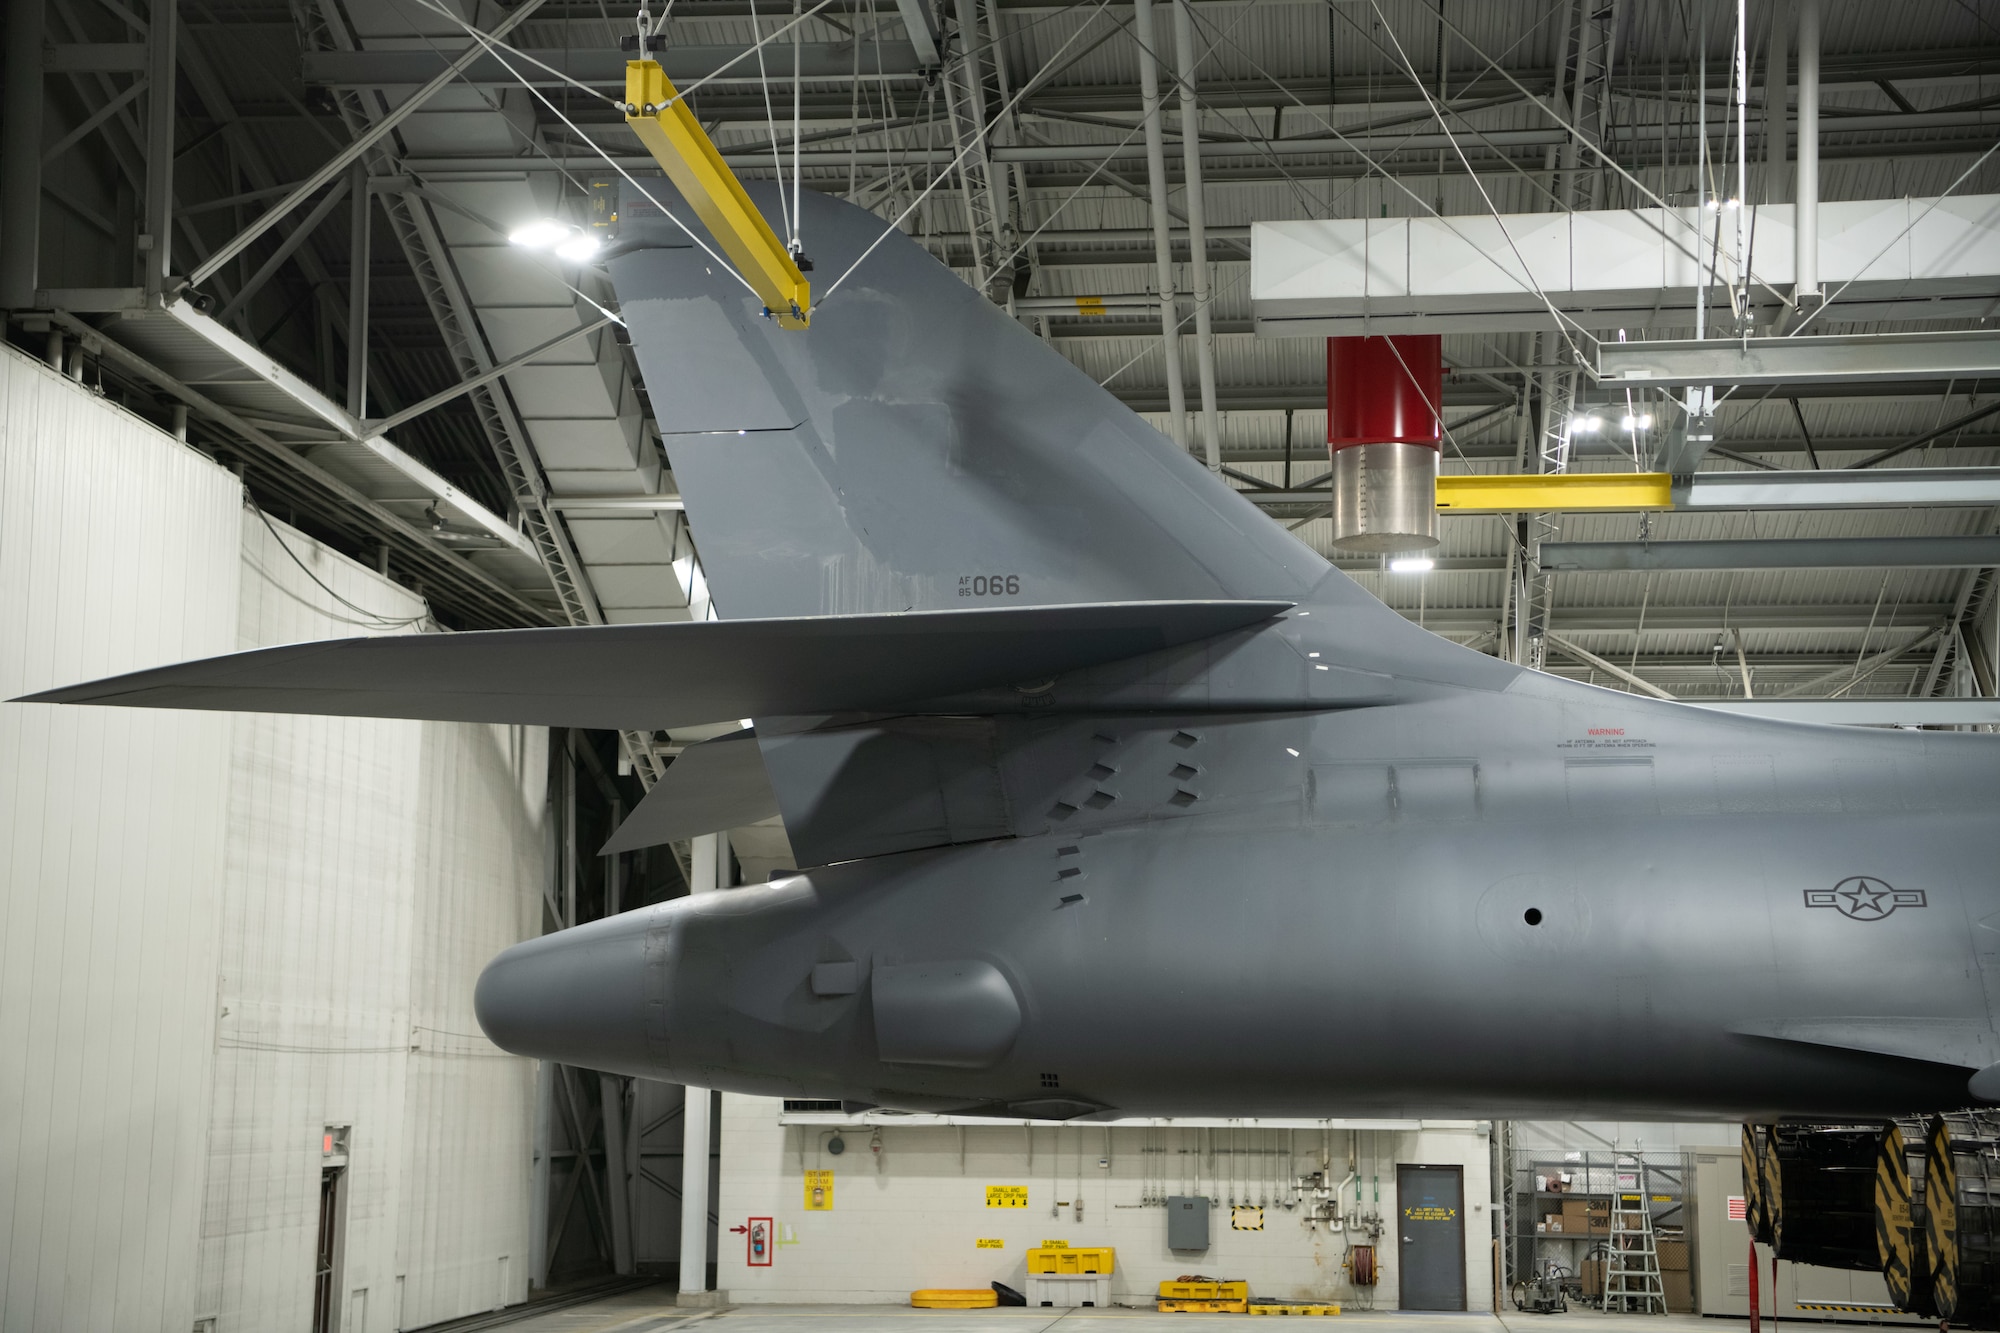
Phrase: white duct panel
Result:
[596,455]
[1302,260]
[118,550]
[501,275]
[1608,268]
[514,330]
[1518,252]
[1865,239]
[1959,238]
[1630,251]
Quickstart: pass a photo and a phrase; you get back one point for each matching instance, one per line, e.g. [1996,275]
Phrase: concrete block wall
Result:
[910,1215]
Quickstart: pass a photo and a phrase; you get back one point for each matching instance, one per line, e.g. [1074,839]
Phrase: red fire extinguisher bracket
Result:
[758,1242]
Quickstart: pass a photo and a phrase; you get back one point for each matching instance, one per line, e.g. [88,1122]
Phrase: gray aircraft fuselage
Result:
[1518,896]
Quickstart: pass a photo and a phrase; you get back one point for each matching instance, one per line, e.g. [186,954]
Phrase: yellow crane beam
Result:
[658,115]
[1559,490]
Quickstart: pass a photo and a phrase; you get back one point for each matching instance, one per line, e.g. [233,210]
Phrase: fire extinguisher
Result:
[759,1242]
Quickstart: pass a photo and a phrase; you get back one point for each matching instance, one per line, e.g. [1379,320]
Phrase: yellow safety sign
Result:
[1430,1213]
[819,1191]
[1006,1196]
[1055,1244]
[994,1244]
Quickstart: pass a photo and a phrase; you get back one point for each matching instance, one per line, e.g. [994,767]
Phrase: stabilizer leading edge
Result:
[672,675]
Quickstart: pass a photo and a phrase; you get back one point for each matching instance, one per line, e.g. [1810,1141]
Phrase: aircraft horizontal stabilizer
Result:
[718,784]
[672,675]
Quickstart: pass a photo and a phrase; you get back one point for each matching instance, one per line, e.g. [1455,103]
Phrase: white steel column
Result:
[709,856]
[359,260]
[1777,117]
[1204,327]
[21,158]
[617,1174]
[1805,237]
[1156,189]
[161,24]
[538,1199]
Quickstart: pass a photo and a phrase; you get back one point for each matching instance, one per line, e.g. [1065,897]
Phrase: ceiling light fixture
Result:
[1412,564]
[570,244]
[580,248]
[540,234]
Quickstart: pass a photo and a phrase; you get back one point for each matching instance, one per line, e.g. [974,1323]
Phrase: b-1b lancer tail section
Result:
[1060,726]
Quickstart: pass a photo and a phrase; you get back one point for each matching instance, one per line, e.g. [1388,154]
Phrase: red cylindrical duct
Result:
[1384,390]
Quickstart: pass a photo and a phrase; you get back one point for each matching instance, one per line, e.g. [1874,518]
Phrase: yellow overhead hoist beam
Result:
[1557,490]
[658,115]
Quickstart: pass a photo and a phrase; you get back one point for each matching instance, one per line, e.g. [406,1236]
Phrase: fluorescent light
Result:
[538,235]
[579,249]
[1412,564]
[1644,421]
[1712,205]
[1733,203]
[1585,424]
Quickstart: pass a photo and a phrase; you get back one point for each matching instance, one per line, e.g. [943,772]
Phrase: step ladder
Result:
[1632,1283]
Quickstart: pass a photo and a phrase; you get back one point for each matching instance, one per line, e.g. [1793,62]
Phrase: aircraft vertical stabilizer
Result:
[917,448]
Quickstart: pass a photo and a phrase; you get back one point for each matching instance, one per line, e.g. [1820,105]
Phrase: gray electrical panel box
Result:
[1187,1222]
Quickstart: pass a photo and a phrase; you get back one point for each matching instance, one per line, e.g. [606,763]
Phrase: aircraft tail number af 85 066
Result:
[989,585]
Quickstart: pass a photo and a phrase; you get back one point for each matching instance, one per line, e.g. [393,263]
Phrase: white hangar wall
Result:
[333,885]
[374,867]
[118,550]
[910,1216]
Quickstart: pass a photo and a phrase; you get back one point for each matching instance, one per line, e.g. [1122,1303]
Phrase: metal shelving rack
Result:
[1663,1179]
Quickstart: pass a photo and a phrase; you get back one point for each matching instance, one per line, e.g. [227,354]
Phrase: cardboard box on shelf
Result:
[1679,1289]
[1591,1272]
[1575,1208]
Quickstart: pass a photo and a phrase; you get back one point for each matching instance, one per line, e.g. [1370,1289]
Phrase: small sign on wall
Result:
[1246,1219]
[1006,1196]
[1055,1244]
[819,1191]
[993,1244]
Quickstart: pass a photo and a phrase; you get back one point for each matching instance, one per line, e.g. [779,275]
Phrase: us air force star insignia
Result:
[1864,898]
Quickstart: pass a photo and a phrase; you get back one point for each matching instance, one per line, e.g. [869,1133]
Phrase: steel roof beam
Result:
[1842,358]
[1866,712]
[1785,553]
[390,71]
[1843,489]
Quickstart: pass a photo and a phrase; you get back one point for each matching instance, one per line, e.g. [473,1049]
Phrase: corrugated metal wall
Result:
[374,867]
[221,934]
[118,550]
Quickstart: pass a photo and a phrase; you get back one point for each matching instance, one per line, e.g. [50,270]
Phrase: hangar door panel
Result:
[1430,1209]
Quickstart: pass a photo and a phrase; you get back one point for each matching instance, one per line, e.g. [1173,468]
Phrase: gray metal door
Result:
[1430,1209]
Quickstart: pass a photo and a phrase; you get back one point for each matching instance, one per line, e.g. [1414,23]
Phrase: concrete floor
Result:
[653,1311]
